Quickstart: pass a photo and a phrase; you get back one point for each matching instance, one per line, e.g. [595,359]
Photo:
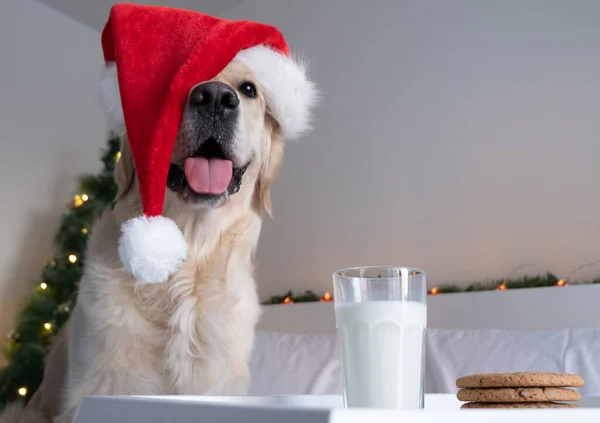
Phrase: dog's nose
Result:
[214,97]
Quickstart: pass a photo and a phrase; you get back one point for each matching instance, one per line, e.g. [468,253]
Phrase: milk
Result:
[382,345]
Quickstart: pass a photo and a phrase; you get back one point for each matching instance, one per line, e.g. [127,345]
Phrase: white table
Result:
[310,409]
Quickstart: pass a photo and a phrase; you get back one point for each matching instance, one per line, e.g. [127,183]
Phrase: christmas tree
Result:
[56,292]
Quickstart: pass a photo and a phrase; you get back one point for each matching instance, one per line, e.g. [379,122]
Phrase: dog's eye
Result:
[248,89]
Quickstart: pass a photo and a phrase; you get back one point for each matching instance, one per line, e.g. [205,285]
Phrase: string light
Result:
[287,300]
[22,391]
[117,156]
[78,200]
[434,291]
[501,287]
[72,258]
[48,326]
[327,297]
[44,285]
[562,282]
[84,231]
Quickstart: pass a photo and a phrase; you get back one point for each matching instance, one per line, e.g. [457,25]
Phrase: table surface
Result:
[432,401]
[310,409]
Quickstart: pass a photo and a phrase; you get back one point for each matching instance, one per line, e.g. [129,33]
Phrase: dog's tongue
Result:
[208,176]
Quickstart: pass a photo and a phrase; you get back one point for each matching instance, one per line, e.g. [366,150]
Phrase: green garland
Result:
[546,280]
[56,291]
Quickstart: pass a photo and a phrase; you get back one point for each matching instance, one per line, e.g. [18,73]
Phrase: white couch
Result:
[296,349]
[293,363]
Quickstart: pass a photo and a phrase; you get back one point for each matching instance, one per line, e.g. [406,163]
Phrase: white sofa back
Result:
[293,363]
[518,309]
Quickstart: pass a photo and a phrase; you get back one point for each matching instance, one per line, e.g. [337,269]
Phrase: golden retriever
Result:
[193,334]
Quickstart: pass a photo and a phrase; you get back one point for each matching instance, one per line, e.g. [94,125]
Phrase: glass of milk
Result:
[381,318]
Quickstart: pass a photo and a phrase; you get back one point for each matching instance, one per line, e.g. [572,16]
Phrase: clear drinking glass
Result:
[381,319]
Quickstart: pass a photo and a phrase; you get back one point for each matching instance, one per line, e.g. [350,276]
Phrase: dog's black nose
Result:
[214,97]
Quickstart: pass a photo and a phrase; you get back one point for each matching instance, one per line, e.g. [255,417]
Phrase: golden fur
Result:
[190,335]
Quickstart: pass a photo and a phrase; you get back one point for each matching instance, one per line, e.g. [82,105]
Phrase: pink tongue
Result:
[208,176]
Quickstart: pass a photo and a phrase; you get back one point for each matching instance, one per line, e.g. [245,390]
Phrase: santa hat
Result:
[154,57]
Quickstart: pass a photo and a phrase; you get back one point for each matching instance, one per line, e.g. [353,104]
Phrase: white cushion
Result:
[452,353]
[288,363]
[295,364]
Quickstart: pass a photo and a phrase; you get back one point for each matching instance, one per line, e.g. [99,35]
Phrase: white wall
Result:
[51,131]
[460,137]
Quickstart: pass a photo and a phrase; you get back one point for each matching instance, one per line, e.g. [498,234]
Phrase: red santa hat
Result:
[154,57]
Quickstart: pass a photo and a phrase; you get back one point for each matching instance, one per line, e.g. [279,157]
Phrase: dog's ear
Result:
[124,170]
[270,167]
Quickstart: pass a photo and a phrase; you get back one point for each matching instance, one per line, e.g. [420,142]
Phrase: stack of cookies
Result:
[519,390]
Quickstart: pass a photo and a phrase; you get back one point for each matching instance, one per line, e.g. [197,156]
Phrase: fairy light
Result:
[77,200]
[48,326]
[434,291]
[287,300]
[44,285]
[72,258]
[22,391]
[501,287]
[326,297]
[562,282]
[84,231]
[117,156]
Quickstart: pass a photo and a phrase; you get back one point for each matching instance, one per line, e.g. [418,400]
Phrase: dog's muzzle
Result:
[207,172]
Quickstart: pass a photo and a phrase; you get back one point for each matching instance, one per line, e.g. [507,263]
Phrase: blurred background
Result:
[459,137]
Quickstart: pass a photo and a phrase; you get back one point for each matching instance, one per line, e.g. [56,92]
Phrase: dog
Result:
[193,334]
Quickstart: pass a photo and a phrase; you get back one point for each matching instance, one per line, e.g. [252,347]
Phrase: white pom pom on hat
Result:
[152,248]
[152,62]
